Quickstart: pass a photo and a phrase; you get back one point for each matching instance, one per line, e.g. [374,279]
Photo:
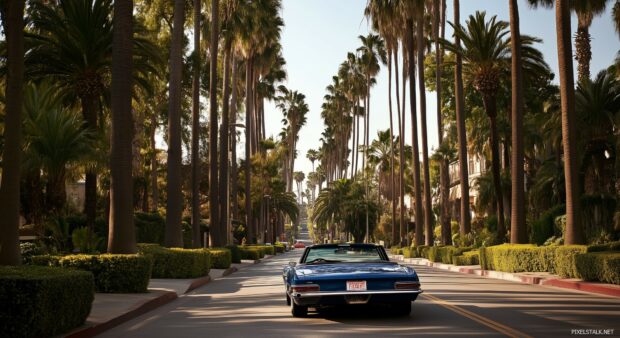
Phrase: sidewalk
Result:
[110,310]
[534,278]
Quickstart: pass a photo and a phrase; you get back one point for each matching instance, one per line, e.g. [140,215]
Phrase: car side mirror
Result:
[292,264]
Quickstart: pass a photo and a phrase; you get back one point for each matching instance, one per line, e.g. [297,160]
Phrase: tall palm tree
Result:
[585,10]
[428,207]
[216,228]
[13,21]
[616,16]
[518,231]
[465,224]
[312,155]
[122,237]
[196,218]
[299,178]
[486,52]
[174,203]
[574,233]
[438,13]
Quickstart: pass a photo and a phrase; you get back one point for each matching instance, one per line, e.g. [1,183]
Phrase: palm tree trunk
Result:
[491,109]
[465,224]
[518,231]
[55,190]
[233,141]
[90,185]
[444,178]
[401,145]
[13,22]
[122,239]
[174,203]
[248,151]
[154,185]
[574,233]
[215,230]
[224,150]
[392,155]
[196,218]
[414,136]
[583,52]
[428,207]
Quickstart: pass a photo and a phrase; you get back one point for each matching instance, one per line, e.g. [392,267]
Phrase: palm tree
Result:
[428,207]
[216,228]
[13,21]
[312,155]
[616,16]
[486,52]
[294,110]
[174,203]
[465,225]
[518,231]
[196,218]
[574,231]
[299,178]
[122,232]
[585,10]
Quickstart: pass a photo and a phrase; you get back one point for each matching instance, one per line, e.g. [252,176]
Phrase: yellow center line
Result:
[508,331]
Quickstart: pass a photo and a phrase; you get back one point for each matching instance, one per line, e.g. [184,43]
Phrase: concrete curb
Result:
[196,283]
[571,284]
[230,270]
[139,309]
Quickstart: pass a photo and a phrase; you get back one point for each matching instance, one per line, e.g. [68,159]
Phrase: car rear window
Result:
[343,254]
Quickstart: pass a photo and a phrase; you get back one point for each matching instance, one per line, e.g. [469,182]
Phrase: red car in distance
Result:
[299,245]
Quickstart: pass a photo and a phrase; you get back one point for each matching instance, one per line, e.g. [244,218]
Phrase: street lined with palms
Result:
[251,302]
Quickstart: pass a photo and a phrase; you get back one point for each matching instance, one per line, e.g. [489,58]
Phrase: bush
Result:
[235,253]
[466,258]
[444,254]
[599,266]
[560,259]
[42,301]
[221,258]
[177,262]
[248,252]
[544,227]
[113,273]
[150,227]
[28,250]
[512,258]
[280,248]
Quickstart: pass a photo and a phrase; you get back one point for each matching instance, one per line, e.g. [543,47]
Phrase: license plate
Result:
[356,285]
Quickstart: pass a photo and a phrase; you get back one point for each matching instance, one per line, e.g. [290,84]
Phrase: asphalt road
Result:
[251,303]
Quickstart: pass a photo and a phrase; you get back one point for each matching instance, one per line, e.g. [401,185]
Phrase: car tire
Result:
[298,311]
[402,308]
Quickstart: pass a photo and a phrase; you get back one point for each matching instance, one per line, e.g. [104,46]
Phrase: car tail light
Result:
[406,285]
[305,288]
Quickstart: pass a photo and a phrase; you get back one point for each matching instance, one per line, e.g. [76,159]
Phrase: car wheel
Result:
[402,308]
[298,310]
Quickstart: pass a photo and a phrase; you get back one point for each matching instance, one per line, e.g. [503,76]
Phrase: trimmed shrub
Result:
[560,259]
[444,254]
[221,258]
[177,262]
[467,258]
[395,250]
[250,253]
[407,252]
[280,248]
[512,258]
[42,301]
[113,273]
[235,253]
[599,266]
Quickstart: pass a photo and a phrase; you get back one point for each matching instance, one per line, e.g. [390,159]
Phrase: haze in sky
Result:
[319,33]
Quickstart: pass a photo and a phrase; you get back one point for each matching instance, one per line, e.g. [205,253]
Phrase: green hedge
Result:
[235,253]
[467,258]
[250,253]
[113,273]
[43,301]
[512,258]
[612,246]
[177,262]
[221,258]
[560,259]
[599,266]
[280,248]
[444,254]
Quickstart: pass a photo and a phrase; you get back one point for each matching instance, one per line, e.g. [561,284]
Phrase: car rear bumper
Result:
[353,297]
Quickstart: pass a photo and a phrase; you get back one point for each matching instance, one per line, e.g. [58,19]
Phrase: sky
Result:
[318,34]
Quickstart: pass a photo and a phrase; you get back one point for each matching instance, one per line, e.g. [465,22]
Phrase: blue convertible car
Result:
[339,274]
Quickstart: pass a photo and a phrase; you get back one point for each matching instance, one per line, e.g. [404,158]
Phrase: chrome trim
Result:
[349,293]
